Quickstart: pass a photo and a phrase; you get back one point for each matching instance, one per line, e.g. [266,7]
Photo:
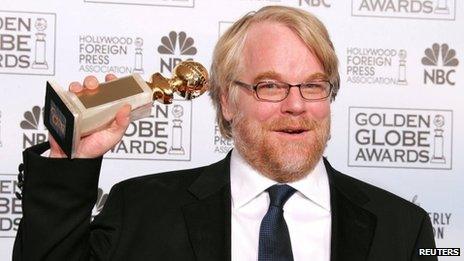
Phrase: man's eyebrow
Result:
[266,76]
[317,76]
[276,76]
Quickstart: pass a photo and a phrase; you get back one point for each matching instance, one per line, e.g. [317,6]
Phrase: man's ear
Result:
[226,106]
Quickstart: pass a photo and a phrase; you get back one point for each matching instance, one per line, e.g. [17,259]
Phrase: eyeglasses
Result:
[275,91]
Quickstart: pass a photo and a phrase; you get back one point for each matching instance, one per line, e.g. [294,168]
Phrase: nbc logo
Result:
[439,73]
[315,3]
[34,130]
[31,119]
[101,200]
[175,44]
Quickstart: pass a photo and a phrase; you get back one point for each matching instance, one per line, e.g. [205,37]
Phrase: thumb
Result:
[122,118]
[119,125]
[55,149]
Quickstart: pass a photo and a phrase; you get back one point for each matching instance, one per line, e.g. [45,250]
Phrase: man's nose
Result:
[294,104]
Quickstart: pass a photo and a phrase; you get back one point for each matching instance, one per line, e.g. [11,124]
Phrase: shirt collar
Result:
[246,183]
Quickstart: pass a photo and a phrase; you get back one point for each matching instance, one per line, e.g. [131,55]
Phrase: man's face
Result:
[283,140]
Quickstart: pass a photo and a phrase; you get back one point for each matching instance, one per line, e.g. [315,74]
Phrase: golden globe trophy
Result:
[70,116]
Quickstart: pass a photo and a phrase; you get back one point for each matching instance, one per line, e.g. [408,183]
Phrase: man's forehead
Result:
[274,51]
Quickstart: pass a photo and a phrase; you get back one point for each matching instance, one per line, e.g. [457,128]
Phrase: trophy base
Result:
[442,10]
[39,66]
[60,120]
[176,151]
[438,160]
[401,82]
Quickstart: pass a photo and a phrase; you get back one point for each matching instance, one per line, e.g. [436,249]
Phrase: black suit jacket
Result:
[185,215]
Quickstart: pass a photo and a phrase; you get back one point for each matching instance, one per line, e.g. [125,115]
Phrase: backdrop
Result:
[395,122]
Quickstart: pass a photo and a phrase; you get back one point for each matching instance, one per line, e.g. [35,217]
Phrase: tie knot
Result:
[279,194]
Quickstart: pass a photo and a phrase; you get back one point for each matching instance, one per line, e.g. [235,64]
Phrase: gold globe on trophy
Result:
[70,116]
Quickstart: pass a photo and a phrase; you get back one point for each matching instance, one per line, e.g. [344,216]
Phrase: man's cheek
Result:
[319,110]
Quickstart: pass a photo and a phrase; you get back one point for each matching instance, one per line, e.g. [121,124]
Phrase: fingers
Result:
[90,82]
[55,150]
[121,122]
[110,77]
[75,87]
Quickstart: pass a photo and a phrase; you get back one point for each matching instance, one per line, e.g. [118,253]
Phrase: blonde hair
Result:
[228,51]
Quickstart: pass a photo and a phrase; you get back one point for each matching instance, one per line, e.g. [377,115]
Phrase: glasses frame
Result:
[254,88]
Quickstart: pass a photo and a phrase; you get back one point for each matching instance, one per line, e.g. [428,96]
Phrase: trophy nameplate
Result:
[70,116]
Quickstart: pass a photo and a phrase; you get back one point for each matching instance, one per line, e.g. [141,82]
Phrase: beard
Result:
[280,159]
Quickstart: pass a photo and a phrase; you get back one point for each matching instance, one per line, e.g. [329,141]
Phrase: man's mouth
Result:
[292,131]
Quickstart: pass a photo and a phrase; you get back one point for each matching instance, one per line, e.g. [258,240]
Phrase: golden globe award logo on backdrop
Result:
[110,54]
[166,134]
[441,221]
[169,3]
[400,138]
[34,131]
[376,66]
[27,43]
[439,65]
[415,9]
[10,206]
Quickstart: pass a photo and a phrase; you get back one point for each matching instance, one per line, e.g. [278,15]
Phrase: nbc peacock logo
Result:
[440,62]
[174,48]
[31,119]
[34,130]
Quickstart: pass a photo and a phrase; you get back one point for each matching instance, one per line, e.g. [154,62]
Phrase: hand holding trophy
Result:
[87,122]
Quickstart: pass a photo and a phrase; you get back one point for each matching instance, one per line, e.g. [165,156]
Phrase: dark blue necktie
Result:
[274,240]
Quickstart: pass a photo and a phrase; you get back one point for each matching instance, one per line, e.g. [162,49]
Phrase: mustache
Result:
[292,123]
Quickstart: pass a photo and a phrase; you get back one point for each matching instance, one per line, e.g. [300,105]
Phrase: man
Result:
[274,75]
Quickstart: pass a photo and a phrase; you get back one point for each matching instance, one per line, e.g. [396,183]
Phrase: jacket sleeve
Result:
[425,239]
[57,199]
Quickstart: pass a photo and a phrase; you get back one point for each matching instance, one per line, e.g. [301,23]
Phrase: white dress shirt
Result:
[307,212]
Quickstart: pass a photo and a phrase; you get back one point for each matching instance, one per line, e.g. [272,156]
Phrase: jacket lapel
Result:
[353,226]
[208,219]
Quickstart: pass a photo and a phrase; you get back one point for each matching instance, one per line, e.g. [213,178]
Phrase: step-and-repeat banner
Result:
[397,122]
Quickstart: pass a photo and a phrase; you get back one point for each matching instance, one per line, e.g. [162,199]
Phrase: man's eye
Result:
[313,86]
[268,85]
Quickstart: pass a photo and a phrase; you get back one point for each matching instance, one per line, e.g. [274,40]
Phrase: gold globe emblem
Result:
[194,79]
[190,81]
